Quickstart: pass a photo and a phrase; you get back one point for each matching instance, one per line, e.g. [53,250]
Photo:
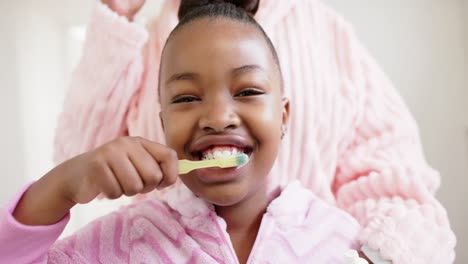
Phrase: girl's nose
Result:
[219,117]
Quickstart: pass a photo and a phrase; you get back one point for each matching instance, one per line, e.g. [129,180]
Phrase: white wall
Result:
[465,18]
[41,60]
[11,143]
[421,46]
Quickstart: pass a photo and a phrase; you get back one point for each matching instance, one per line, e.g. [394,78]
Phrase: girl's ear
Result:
[285,115]
[161,119]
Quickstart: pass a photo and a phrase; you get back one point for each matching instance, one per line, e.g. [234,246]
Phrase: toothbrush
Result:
[186,166]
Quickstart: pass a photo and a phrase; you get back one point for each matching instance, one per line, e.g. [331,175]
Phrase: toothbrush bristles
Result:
[242,159]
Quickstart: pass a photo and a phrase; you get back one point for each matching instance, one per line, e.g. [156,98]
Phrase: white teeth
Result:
[221,153]
[217,154]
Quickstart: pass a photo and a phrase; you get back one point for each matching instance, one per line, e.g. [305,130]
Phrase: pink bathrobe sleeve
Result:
[351,139]
[107,77]
[25,244]
[382,177]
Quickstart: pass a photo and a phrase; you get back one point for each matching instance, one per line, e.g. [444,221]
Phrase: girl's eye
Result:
[249,92]
[185,99]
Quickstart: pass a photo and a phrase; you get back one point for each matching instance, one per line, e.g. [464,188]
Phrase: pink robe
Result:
[183,229]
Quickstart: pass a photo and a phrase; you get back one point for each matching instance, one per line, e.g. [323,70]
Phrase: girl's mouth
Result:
[219,146]
[221,151]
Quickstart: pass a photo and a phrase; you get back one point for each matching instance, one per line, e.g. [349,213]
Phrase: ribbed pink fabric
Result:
[182,228]
[351,139]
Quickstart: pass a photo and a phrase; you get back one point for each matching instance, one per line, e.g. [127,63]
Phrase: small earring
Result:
[283,131]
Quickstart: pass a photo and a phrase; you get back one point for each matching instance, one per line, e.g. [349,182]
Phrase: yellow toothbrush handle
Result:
[186,166]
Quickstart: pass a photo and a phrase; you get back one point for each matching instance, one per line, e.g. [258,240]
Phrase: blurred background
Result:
[421,44]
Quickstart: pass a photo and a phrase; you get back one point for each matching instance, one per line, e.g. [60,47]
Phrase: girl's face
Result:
[221,94]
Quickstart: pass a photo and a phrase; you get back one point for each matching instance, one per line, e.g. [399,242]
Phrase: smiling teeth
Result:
[217,153]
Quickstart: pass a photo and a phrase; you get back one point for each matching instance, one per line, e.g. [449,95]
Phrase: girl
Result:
[221,93]
[351,139]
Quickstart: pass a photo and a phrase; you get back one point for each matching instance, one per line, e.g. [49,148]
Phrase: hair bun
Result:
[250,6]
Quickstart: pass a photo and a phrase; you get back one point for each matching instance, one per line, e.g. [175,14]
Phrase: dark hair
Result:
[238,10]
[249,6]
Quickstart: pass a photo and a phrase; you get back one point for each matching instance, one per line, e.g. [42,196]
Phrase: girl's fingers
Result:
[126,174]
[167,160]
[170,168]
[131,165]
[147,167]
[109,185]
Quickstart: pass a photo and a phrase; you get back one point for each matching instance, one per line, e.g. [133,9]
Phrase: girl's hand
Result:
[125,166]
[126,8]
